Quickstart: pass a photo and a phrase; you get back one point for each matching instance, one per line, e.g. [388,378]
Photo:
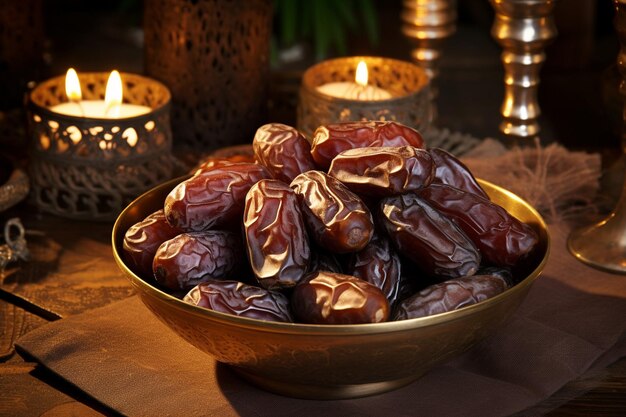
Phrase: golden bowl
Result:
[333,361]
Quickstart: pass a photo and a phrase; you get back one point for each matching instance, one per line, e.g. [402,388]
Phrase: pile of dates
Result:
[360,225]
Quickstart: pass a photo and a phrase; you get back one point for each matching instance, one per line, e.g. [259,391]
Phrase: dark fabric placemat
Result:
[571,321]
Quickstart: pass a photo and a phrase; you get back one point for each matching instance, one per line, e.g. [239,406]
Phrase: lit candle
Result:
[109,108]
[358,90]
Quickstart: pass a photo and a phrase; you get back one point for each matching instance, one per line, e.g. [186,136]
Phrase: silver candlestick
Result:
[523,28]
[427,23]
[603,245]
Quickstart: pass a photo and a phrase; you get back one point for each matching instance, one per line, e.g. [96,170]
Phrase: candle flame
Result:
[113,94]
[361,74]
[72,85]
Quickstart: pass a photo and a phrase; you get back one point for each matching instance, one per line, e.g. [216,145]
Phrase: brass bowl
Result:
[338,361]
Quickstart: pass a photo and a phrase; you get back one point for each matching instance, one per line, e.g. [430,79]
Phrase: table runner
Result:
[571,321]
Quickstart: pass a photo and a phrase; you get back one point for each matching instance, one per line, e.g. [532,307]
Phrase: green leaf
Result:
[273,51]
[370,21]
[288,21]
[339,37]
[322,29]
[345,10]
[306,18]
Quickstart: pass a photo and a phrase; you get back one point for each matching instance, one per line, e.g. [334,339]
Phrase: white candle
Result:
[357,90]
[354,91]
[98,109]
[109,108]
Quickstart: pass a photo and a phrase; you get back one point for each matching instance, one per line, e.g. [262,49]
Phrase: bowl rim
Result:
[323,329]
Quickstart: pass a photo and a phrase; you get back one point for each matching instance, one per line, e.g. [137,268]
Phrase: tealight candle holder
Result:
[394,90]
[88,167]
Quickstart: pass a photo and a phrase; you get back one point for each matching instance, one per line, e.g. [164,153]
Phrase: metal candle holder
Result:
[427,24]
[91,168]
[523,28]
[407,83]
[215,58]
[603,245]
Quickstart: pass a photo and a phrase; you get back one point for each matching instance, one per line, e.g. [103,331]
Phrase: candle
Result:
[358,90]
[109,108]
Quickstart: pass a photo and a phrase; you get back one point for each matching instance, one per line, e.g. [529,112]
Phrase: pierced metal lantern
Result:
[214,56]
[91,168]
[407,84]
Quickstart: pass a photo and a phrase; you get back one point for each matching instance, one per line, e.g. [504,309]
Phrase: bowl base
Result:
[323,392]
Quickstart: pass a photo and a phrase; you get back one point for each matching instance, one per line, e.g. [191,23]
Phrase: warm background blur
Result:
[578,91]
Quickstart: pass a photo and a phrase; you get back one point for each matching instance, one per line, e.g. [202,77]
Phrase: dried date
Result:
[277,241]
[331,298]
[449,170]
[191,258]
[240,299]
[378,264]
[142,240]
[219,161]
[502,239]
[428,238]
[328,141]
[501,272]
[449,295]
[337,218]
[212,199]
[283,150]
[324,261]
[383,171]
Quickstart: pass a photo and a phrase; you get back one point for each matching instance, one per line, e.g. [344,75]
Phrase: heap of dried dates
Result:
[362,225]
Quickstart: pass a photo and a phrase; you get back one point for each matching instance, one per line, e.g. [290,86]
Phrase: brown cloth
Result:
[571,321]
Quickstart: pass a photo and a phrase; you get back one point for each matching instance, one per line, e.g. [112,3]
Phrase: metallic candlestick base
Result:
[427,23]
[523,28]
[603,245]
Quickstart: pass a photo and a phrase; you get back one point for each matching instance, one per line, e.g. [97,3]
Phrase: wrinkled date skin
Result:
[449,295]
[277,241]
[429,239]
[332,139]
[378,264]
[503,273]
[337,218]
[283,150]
[240,299]
[323,261]
[220,161]
[383,171]
[142,240]
[502,239]
[331,298]
[449,170]
[407,287]
[191,258]
[212,199]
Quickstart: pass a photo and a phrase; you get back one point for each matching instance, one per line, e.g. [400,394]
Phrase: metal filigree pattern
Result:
[90,167]
[214,56]
[407,83]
